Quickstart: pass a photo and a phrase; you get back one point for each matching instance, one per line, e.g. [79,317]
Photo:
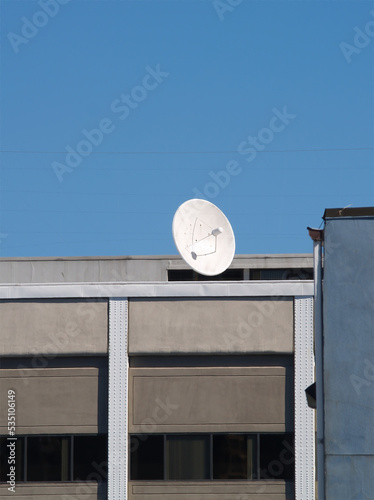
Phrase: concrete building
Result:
[183,388]
[135,378]
[348,354]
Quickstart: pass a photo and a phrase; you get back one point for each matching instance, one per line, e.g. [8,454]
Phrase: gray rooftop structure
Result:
[129,268]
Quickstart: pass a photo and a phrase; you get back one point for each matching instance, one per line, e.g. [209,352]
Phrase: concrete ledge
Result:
[158,289]
[211,490]
[55,491]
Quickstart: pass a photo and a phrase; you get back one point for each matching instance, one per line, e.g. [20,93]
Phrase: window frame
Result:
[257,473]
[69,457]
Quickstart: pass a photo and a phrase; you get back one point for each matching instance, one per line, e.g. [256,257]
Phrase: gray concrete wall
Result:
[211,326]
[126,268]
[348,310]
[55,400]
[53,327]
[251,399]
[256,490]
[82,269]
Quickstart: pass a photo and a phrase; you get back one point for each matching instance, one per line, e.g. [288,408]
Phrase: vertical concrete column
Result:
[117,404]
[304,416]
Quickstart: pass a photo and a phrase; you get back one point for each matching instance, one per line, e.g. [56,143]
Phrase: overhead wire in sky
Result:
[186,152]
[170,153]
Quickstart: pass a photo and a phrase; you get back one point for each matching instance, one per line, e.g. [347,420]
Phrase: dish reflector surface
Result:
[204,237]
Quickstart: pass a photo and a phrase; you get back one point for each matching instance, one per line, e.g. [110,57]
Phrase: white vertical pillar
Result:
[117,405]
[304,416]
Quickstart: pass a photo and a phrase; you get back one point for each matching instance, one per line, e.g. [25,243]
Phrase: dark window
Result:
[55,458]
[147,456]
[90,458]
[181,275]
[152,457]
[234,456]
[211,456]
[48,458]
[187,457]
[190,275]
[281,274]
[11,455]
[228,275]
[277,460]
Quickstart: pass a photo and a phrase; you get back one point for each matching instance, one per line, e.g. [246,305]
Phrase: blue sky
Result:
[114,112]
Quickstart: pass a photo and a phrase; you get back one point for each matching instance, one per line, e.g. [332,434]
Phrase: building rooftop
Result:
[332,213]
[147,268]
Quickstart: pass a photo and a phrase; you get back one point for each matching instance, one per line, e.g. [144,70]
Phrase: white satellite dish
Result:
[204,237]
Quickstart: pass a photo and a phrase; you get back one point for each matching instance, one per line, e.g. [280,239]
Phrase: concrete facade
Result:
[260,325]
[56,327]
[348,343]
[262,490]
[218,364]
[201,399]
[56,491]
[55,400]
[128,269]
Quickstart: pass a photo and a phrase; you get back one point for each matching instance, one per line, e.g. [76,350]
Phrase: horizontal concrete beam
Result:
[287,288]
